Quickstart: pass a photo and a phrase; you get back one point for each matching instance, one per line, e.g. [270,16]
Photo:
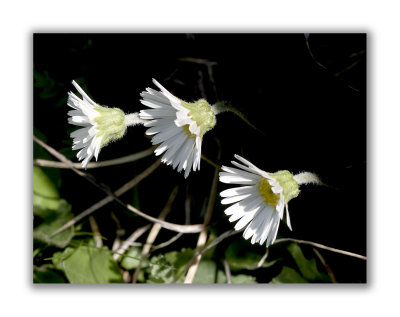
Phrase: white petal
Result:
[245,168]
[288,218]
[165,134]
[174,145]
[235,199]
[156,113]
[274,229]
[253,226]
[184,153]
[269,212]
[154,104]
[237,191]
[246,218]
[246,205]
[160,149]
[159,122]
[84,95]
[239,172]
[236,179]
[279,207]
[80,133]
[189,164]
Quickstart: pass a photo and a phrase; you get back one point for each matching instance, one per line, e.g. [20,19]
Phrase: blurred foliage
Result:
[308,76]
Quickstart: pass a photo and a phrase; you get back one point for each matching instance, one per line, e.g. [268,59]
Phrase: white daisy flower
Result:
[100,125]
[260,204]
[178,127]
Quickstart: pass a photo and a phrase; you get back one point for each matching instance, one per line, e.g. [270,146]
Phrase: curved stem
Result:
[121,160]
[321,246]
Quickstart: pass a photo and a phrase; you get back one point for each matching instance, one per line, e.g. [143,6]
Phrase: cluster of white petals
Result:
[173,128]
[84,115]
[260,217]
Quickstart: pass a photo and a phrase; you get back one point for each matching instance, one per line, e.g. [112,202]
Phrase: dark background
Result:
[306,93]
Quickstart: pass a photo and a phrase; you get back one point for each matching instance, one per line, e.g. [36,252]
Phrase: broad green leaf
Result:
[308,268]
[91,265]
[54,211]
[288,275]
[42,185]
[48,208]
[240,255]
[42,231]
[206,273]
[47,274]
[60,256]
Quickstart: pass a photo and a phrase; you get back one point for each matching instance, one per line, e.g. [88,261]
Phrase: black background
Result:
[306,93]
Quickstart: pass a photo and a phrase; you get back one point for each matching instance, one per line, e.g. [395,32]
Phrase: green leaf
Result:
[91,265]
[130,260]
[161,270]
[240,255]
[54,211]
[235,279]
[45,229]
[308,268]
[206,273]
[48,208]
[288,275]
[42,185]
[47,274]
[179,260]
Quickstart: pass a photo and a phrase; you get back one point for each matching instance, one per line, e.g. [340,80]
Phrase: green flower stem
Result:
[223,106]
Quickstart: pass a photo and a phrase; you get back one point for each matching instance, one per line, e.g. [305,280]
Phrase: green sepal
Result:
[110,124]
[289,185]
[201,112]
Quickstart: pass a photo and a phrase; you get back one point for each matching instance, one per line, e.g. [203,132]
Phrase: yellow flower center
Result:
[266,192]
[190,134]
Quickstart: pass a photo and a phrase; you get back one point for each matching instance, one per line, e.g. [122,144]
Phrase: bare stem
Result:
[327,267]
[321,246]
[227,272]
[154,232]
[261,262]
[109,198]
[203,234]
[167,225]
[96,232]
[128,242]
[121,160]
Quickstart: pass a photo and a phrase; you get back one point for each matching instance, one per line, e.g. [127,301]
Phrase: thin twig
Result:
[168,242]
[96,232]
[133,182]
[177,236]
[327,267]
[211,162]
[167,225]
[212,244]
[227,272]
[117,240]
[197,61]
[203,234]
[128,242]
[121,160]
[321,246]
[261,262]
[154,232]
